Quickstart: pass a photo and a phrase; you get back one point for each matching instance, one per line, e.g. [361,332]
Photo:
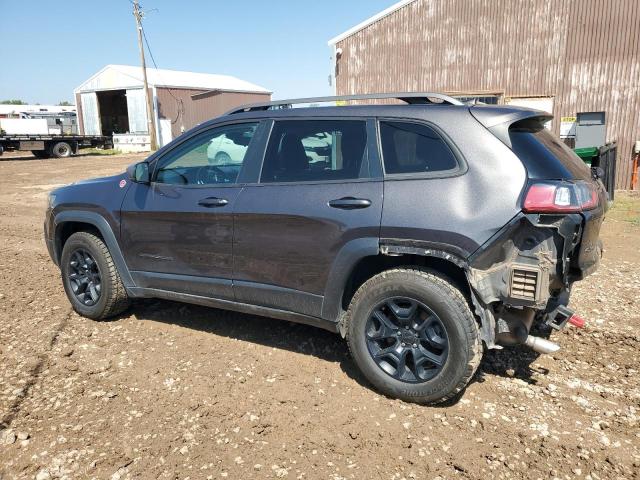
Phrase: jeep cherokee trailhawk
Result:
[417,231]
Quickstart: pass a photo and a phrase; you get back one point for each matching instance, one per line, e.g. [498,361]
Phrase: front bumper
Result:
[49,236]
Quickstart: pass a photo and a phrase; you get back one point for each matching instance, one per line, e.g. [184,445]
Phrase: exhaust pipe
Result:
[541,345]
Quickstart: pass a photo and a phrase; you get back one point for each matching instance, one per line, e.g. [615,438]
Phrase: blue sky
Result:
[50,47]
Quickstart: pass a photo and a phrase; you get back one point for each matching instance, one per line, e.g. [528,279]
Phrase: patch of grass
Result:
[99,151]
[626,208]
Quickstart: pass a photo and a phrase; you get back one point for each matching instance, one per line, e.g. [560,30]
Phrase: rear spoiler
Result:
[498,120]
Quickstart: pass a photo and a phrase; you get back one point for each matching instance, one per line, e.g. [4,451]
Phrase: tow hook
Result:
[541,345]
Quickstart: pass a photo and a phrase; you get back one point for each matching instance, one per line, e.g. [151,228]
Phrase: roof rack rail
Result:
[412,98]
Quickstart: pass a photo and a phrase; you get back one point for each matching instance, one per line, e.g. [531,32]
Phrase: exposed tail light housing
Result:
[560,197]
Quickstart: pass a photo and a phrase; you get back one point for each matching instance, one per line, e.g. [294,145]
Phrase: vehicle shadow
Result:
[512,362]
[264,331]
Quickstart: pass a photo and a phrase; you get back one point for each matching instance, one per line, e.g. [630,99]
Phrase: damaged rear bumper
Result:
[525,272]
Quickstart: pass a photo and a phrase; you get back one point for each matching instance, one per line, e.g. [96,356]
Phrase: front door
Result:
[177,232]
[316,195]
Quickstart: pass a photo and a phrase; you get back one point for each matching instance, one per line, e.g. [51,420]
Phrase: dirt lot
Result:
[177,391]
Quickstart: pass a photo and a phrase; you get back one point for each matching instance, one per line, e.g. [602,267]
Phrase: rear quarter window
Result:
[413,148]
[544,155]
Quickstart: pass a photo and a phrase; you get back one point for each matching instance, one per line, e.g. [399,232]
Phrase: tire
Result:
[222,158]
[61,150]
[40,153]
[108,296]
[445,333]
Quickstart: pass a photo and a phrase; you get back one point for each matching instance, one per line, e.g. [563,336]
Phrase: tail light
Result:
[560,197]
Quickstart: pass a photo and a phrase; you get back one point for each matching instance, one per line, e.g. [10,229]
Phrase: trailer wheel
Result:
[61,150]
[40,153]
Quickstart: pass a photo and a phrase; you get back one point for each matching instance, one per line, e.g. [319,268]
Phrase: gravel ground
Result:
[177,391]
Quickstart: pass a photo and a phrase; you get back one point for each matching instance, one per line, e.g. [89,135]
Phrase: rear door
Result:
[319,190]
[177,232]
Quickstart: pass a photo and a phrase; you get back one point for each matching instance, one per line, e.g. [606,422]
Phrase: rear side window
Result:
[545,156]
[316,150]
[414,148]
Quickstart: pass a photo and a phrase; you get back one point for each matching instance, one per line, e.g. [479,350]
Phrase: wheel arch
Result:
[363,260]
[69,222]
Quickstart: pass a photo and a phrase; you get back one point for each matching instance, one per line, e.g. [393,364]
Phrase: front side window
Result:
[316,150]
[414,148]
[212,157]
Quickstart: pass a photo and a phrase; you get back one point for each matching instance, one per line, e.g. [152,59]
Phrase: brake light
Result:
[560,197]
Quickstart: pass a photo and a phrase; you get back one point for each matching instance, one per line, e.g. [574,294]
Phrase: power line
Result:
[138,14]
[178,101]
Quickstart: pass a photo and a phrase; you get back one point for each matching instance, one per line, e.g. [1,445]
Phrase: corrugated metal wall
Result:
[187,108]
[79,113]
[137,110]
[90,113]
[584,53]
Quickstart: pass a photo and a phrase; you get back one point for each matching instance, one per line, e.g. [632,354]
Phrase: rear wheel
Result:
[90,278]
[413,336]
[61,150]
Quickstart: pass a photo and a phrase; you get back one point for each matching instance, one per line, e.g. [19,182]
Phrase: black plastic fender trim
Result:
[96,220]
[343,265]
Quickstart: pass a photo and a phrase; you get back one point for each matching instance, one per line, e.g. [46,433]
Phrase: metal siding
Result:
[137,110]
[584,53]
[90,114]
[180,106]
[79,113]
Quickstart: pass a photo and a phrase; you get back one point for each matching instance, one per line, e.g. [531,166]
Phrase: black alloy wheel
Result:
[407,340]
[84,277]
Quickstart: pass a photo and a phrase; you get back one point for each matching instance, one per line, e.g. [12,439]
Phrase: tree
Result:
[13,102]
[64,103]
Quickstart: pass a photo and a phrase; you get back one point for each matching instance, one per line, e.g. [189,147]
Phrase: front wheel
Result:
[90,278]
[413,336]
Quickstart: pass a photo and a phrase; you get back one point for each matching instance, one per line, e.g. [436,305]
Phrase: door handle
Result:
[213,202]
[350,203]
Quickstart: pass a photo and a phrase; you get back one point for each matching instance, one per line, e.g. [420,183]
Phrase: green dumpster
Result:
[587,154]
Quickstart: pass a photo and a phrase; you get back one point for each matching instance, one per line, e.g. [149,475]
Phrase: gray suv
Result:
[421,231]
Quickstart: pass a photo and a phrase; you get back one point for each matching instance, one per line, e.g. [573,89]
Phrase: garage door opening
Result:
[114,115]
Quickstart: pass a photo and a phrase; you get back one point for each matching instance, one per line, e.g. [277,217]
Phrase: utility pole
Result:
[150,123]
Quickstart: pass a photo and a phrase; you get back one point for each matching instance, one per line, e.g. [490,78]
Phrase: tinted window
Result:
[544,155]
[414,148]
[310,150]
[212,157]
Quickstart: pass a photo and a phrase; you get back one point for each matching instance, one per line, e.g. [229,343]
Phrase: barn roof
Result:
[127,76]
[369,21]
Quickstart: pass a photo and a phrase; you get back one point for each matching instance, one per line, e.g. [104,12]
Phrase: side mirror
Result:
[139,172]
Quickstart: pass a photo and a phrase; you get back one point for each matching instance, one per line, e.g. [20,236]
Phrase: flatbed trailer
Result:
[59,146]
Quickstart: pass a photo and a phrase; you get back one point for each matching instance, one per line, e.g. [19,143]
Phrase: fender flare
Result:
[99,222]
[347,258]
[359,248]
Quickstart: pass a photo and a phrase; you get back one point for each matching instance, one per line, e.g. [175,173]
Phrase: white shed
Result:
[112,101]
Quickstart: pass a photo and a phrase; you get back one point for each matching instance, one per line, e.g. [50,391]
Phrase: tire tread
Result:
[118,300]
[470,327]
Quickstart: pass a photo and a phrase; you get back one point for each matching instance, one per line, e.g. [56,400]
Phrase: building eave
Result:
[393,8]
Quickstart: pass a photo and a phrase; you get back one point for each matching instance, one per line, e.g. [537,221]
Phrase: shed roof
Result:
[127,76]
[369,21]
